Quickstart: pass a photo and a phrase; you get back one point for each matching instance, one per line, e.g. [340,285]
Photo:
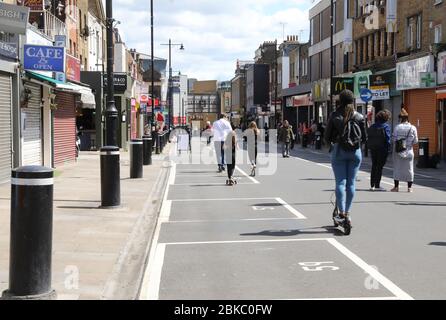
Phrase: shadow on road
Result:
[438,244]
[423,204]
[290,233]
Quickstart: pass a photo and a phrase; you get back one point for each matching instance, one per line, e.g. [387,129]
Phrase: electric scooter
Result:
[344,223]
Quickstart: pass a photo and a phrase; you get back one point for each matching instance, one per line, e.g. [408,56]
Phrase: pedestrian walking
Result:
[252,136]
[379,143]
[208,132]
[286,136]
[345,132]
[405,136]
[230,148]
[221,129]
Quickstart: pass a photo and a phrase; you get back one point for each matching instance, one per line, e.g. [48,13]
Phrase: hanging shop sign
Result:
[34,5]
[73,72]
[119,80]
[428,79]
[340,84]
[13,19]
[9,50]
[408,72]
[43,58]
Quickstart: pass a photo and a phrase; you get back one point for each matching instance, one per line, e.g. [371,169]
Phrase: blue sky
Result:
[215,33]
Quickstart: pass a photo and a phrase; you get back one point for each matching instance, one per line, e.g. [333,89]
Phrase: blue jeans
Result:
[345,166]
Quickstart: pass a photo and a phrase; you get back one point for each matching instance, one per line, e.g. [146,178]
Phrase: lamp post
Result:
[110,157]
[170,44]
[332,63]
[152,67]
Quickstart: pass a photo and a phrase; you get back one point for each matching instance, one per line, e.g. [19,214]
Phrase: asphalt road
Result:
[272,237]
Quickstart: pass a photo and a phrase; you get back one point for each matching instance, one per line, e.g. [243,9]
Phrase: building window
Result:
[378,44]
[438,34]
[312,31]
[413,34]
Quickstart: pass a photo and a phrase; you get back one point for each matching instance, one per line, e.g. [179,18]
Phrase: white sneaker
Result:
[372,189]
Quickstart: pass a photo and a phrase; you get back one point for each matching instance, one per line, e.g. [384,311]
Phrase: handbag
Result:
[401,144]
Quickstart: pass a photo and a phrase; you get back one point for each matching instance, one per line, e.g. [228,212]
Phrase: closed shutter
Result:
[422,107]
[64,129]
[32,127]
[5,127]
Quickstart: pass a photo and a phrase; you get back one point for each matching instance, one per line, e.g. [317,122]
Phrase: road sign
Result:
[366,95]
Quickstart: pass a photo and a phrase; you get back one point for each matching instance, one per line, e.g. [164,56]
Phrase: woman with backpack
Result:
[346,131]
[379,143]
[405,136]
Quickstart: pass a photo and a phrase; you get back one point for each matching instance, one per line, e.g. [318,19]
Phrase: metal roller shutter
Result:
[32,127]
[64,129]
[5,127]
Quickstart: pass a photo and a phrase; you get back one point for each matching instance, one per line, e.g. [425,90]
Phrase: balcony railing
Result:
[53,26]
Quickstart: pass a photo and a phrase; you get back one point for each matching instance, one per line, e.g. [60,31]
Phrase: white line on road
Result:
[152,276]
[221,199]
[245,241]
[389,285]
[246,175]
[197,184]
[291,209]
[235,220]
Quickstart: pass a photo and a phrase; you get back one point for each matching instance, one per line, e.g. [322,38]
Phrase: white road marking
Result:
[244,241]
[291,209]
[221,199]
[234,220]
[152,276]
[315,163]
[389,285]
[246,175]
[197,184]
[334,299]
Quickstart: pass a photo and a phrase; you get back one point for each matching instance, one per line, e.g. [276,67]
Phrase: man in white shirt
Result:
[221,129]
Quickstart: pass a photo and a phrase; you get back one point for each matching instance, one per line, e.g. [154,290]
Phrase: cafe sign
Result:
[43,58]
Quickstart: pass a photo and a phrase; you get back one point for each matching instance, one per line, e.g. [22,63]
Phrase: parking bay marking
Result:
[154,284]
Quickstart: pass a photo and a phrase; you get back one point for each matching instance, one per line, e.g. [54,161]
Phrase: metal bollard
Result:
[136,159]
[31,234]
[158,143]
[162,142]
[110,177]
[147,146]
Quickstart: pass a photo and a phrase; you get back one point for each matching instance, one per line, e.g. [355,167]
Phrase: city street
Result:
[272,237]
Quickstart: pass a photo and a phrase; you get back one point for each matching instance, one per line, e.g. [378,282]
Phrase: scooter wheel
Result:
[335,223]
[347,228]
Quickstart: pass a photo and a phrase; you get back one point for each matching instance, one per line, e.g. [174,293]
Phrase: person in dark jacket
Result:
[345,163]
[286,136]
[380,143]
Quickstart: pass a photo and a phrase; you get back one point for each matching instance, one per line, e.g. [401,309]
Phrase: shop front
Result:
[320,94]
[298,105]
[6,109]
[418,81]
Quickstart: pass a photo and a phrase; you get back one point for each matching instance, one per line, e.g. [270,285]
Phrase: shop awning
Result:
[87,97]
[441,94]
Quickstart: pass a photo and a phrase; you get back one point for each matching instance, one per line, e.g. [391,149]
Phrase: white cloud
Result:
[215,33]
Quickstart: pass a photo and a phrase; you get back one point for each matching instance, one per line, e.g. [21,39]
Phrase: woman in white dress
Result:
[403,161]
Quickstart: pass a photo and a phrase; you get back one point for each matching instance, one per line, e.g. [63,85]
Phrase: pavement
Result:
[272,236]
[97,253]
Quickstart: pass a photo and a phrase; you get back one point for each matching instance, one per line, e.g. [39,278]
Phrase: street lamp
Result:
[170,44]
[110,168]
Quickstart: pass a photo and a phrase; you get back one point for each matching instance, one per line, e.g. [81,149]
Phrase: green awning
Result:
[51,82]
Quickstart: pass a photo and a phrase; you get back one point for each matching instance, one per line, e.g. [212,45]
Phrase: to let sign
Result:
[42,58]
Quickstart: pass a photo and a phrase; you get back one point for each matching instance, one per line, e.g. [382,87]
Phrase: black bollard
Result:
[158,143]
[110,177]
[31,234]
[147,146]
[162,142]
[136,159]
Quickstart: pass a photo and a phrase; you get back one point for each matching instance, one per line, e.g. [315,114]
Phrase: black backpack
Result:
[350,140]
[376,138]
